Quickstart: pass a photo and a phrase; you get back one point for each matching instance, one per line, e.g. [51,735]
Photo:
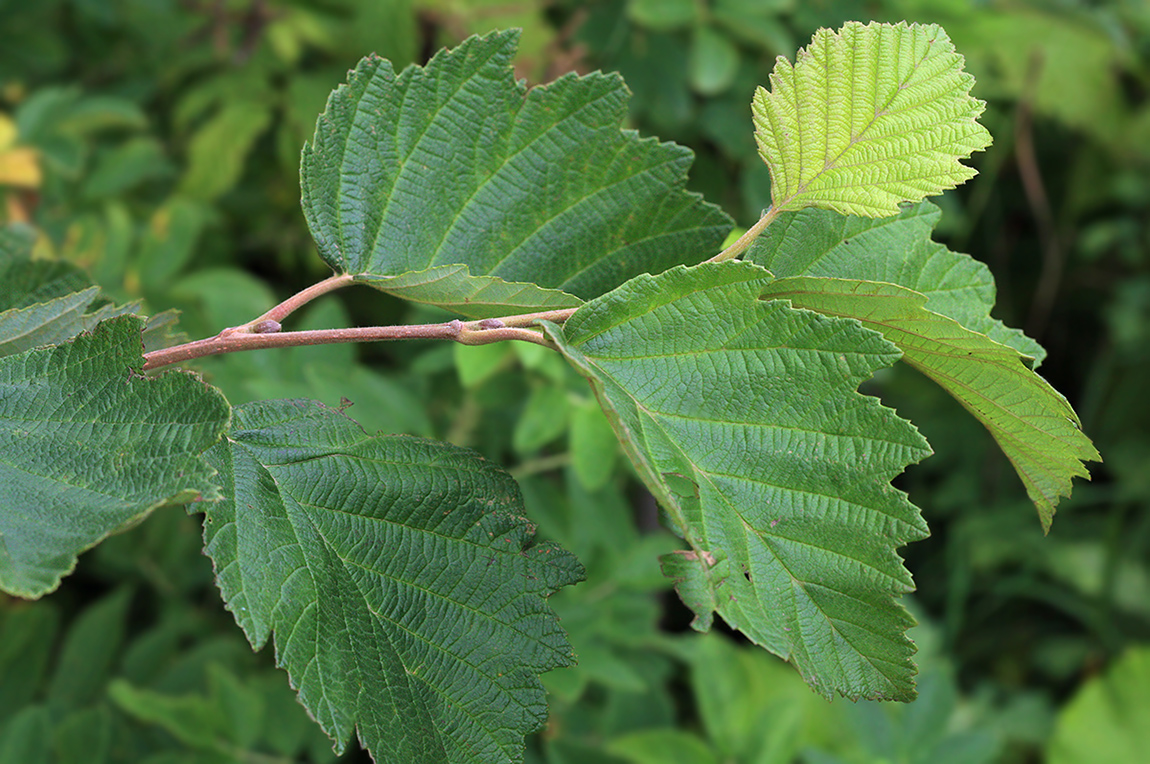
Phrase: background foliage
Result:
[156,144]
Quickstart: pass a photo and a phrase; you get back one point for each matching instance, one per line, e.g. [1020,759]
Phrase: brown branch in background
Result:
[1050,275]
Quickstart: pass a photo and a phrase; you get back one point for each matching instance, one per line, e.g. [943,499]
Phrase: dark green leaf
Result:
[89,650]
[407,598]
[742,417]
[1033,424]
[456,163]
[897,250]
[89,446]
[27,636]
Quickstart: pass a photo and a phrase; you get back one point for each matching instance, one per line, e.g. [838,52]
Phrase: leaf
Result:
[897,250]
[868,117]
[456,163]
[89,446]
[453,288]
[1033,424]
[85,659]
[26,281]
[44,302]
[407,598]
[662,746]
[219,149]
[1106,719]
[742,417]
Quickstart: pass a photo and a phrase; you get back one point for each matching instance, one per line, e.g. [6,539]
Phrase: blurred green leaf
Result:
[88,653]
[663,15]
[593,447]
[662,746]
[220,148]
[544,419]
[1106,719]
[714,61]
[25,738]
[27,640]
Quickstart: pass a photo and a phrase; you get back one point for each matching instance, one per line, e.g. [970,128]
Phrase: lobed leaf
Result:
[456,163]
[898,250]
[742,417]
[1033,424]
[89,446]
[867,117]
[406,597]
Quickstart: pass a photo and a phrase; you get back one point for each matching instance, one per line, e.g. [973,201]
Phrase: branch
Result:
[264,331]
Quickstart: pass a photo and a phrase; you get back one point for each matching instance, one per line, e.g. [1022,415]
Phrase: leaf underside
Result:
[896,250]
[456,163]
[88,446]
[451,287]
[1033,424]
[743,418]
[407,599]
[867,117]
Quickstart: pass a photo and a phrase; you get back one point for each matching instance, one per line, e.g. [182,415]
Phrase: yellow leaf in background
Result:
[18,166]
[7,132]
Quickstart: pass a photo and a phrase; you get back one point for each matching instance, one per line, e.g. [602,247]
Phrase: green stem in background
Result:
[745,240]
[264,331]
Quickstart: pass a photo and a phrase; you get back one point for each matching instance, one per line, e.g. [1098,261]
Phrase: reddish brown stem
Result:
[263,332]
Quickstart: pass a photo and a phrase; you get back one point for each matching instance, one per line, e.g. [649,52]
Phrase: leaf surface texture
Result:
[456,163]
[88,446]
[867,117]
[399,579]
[743,417]
[1033,424]
[898,250]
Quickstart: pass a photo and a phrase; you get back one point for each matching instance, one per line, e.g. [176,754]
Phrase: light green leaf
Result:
[407,599]
[1033,424]
[89,446]
[1106,719]
[867,117]
[453,288]
[592,446]
[742,417]
[898,250]
[220,148]
[714,61]
[662,746]
[456,163]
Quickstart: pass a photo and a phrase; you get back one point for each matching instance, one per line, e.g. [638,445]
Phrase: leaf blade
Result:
[763,459]
[868,117]
[457,164]
[88,446]
[422,558]
[897,250]
[1034,425]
